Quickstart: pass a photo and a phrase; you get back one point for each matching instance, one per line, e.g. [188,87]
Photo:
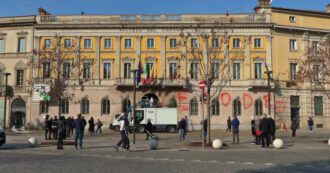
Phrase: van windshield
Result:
[116,116]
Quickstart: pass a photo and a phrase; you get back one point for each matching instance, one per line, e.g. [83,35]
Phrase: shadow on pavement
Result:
[16,146]
[311,166]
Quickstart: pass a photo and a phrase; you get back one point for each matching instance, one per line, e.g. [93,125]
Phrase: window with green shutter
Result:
[318,105]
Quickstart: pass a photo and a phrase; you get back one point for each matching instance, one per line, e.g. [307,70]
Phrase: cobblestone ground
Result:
[309,152]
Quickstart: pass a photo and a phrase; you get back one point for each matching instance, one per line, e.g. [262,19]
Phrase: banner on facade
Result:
[41,92]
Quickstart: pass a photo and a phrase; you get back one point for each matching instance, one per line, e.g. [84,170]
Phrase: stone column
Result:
[77,57]
[247,57]
[163,57]
[36,57]
[138,51]
[97,59]
[118,56]
[184,57]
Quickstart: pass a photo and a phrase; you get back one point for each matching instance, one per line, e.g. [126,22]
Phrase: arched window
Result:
[84,105]
[258,107]
[237,107]
[44,105]
[65,106]
[215,107]
[172,103]
[126,105]
[106,106]
[193,105]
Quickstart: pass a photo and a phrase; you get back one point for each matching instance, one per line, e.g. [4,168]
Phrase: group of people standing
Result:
[92,124]
[263,130]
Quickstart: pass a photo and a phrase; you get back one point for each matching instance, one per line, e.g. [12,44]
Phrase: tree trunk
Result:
[208,135]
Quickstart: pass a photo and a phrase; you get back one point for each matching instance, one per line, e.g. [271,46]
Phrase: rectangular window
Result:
[215,43]
[194,71]
[127,70]
[2,45]
[315,45]
[19,77]
[87,43]
[107,43]
[66,70]
[21,44]
[318,105]
[293,71]
[215,69]
[106,70]
[47,43]
[150,43]
[172,70]
[44,105]
[173,43]
[257,43]
[67,43]
[46,70]
[293,44]
[316,70]
[194,43]
[128,43]
[258,70]
[86,70]
[292,19]
[236,43]
[236,70]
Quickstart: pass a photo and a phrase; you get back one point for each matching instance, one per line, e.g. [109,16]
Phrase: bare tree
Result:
[208,49]
[58,67]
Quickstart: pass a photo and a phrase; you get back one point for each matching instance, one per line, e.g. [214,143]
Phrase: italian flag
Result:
[151,75]
[144,82]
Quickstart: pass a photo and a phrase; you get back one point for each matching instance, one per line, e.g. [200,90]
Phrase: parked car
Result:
[2,136]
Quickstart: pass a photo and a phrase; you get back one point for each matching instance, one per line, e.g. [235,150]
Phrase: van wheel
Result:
[170,129]
[141,129]
[117,128]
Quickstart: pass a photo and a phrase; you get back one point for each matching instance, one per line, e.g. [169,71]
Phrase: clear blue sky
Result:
[29,7]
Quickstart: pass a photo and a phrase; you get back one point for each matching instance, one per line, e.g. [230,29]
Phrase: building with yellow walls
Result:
[101,50]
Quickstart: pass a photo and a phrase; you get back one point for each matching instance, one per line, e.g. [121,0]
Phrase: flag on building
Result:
[138,74]
[267,71]
[145,77]
[151,75]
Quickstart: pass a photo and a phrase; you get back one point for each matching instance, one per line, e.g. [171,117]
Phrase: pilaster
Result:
[36,57]
[247,57]
[269,52]
[184,57]
[118,56]
[138,51]
[77,57]
[163,57]
[97,59]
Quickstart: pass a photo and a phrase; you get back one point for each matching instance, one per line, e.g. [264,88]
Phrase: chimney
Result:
[262,4]
[328,8]
[42,12]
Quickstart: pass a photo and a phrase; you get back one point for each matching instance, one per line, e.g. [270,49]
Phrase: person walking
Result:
[124,134]
[91,126]
[272,129]
[50,129]
[258,134]
[264,127]
[99,126]
[182,126]
[55,127]
[253,130]
[148,129]
[294,126]
[79,127]
[47,127]
[186,119]
[235,125]
[61,132]
[228,125]
[310,124]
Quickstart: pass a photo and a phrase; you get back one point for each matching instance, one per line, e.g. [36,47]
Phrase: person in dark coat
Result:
[148,128]
[253,130]
[310,124]
[182,126]
[264,127]
[47,127]
[205,129]
[61,132]
[99,126]
[228,125]
[68,126]
[294,126]
[272,129]
[50,129]
[91,125]
[235,124]
[55,127]
[79,127]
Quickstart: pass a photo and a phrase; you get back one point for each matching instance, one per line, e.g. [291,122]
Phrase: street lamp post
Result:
[5,107]
[134,103]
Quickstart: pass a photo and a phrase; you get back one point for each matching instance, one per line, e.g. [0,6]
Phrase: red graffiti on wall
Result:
[281,104]
[247,101]
[267,101]
[181,99]
[225,98]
